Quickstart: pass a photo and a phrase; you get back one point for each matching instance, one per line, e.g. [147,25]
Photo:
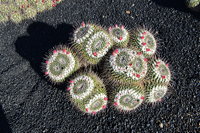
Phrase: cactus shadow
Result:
[179,5]
[41,38]
[4,126]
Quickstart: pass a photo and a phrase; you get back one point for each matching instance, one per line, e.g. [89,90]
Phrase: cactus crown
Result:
[119,34]
[157,93]
[98,45]
[120,59]
[97,103]
[128,62]
[128,99]
[162,71]
[83,32]
[60,64]
[147,42]
[81,87]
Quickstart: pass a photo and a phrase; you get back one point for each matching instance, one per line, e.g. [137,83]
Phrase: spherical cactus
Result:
[91,43]
[158,71]
[4,8]
[128,98]
[3,18]
[125,66]
[16,17]
[12,7]
[155,92]
[30,12]
[119,35]
[88,93]
[60,64]
[143,41]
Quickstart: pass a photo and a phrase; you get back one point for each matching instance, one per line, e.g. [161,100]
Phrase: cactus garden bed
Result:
[99,66]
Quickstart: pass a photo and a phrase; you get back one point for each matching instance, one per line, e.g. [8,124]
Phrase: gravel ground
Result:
[30,104]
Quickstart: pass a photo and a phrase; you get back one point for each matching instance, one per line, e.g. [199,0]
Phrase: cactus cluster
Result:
[18,10]
[130,69]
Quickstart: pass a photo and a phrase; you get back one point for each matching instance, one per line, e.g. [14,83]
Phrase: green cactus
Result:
[16,17]
[158,71]
[4,9]
[125,66]
[155,92]
[3,18]
[119,35]
[60,64]
[127,98]
[88,92]
[91,43]
[30,12]
[143,41]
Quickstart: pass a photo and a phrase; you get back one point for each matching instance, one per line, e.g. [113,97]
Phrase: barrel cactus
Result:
[60,64]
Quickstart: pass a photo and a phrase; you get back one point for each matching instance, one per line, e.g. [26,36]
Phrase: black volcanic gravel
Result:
[31,104]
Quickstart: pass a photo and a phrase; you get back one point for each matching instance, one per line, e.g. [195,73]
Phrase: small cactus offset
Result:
[18,10]
[92,42]
[119,35]
[60,63]
[130,69]
[88,92]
